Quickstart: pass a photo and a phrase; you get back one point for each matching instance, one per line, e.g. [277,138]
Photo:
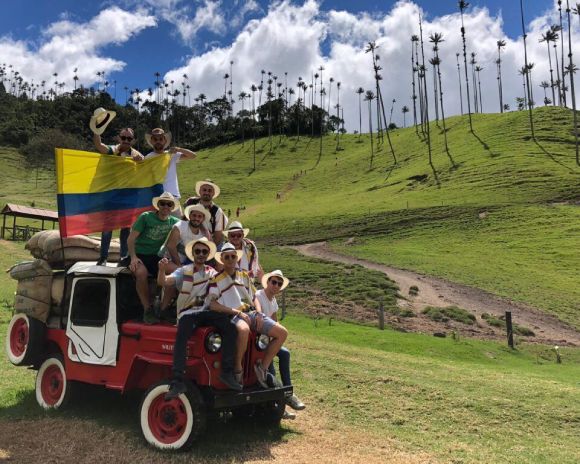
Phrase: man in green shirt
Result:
[148,234]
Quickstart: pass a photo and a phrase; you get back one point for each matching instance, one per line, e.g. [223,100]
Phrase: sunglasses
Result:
[228,257]
[201,251]
[165,203]
[279,283]
[235,235]
[125,138]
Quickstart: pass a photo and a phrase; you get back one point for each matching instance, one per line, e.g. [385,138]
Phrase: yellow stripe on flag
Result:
[86,172]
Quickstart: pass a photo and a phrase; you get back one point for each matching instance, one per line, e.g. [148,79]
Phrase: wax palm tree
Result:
[405,110]
[473,62]
[425,90]
[500,45]
[459,80]
[360,91]
[558,81]
[545,85]
[414,95]
[369,97]
[571,70]
[433,62]
[528,70]
[462,7]
[436,39]
[337,115]
[550,36]
[522,72]
[562,73]
[478,70]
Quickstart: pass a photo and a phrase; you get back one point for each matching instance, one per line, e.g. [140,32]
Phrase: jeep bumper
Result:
[230,399]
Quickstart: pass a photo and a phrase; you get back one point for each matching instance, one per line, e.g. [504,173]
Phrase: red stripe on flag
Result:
[100,221]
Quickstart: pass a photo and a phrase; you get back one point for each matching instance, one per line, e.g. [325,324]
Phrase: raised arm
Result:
[99,145]
[185,153]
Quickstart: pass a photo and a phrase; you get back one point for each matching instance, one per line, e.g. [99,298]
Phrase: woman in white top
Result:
[265,301]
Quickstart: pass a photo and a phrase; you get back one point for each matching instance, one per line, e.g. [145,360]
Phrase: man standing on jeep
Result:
[191,281]
[207,191]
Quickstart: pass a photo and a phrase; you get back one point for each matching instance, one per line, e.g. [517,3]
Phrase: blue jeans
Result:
[283,366]
[106,242]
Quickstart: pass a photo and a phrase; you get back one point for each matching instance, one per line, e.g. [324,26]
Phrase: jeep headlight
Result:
[262,342]
[213,342]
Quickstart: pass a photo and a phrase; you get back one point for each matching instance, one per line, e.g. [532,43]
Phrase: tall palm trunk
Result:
[558,80]
[425,89]
[527,76]
[459,79]
[563,74]
[420,76]
[571,71]
[414,95]
[435,99]
[462,6]
[551,73]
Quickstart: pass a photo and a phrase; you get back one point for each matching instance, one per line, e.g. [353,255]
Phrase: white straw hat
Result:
[216,189]
[203,241]
[167,197]
[100,119]
[235,226]
[227,247]
[276,273]
[158,131]
[198,207]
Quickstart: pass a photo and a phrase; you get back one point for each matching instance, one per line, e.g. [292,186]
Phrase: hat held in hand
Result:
[100,119]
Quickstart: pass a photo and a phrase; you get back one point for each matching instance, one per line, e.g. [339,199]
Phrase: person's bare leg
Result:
[278,335]
[142,286]
[241,344]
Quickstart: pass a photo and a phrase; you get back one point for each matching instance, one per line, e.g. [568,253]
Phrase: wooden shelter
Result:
[24,232]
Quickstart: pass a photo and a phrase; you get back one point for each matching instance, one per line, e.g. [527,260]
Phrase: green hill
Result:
[499,211]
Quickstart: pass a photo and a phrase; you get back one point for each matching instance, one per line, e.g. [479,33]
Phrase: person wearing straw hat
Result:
[126,138]
[231,292]
[160,141]
[148,234]
[207,191]
[265,300]
[238,237]
[183,232]
[191,281]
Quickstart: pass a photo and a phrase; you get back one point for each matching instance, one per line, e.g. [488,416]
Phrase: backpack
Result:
[212,211]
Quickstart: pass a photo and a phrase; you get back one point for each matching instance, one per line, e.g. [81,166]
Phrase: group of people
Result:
[206,263]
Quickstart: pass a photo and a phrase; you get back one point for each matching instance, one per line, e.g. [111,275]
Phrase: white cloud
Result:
[67,45]
[289,39]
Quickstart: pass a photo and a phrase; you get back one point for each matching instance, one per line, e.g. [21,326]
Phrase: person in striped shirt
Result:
[192,282]
[250,261]
[231,292]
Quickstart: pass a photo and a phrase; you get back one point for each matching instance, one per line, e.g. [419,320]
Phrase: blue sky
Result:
[131,39]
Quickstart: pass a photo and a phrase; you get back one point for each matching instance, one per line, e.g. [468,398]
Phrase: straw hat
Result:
[276,273]
[216,189]
[167,197]
[236,226]
[200,208]
[203,241]
[158,131]
[100,119]
[227,247]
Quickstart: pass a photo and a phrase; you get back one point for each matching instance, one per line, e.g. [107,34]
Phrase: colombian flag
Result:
[104,192]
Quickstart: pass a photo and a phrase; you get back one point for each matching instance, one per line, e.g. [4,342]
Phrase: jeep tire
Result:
[172,424]
[53,389]
[24,340]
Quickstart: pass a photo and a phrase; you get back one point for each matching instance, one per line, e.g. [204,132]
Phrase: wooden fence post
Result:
[509,328]
[381,315]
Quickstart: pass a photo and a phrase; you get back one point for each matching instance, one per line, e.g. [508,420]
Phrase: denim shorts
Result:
[258,322]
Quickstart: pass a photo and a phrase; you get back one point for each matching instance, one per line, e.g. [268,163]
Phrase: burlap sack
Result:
[33,308]
[36,288]
[28,269]
[57,290]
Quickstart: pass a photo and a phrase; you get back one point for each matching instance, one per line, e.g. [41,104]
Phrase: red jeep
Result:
[93,337]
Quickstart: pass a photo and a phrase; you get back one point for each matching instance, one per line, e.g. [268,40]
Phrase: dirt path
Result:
[438,292]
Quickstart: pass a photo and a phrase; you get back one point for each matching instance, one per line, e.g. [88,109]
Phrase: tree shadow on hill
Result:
[226,439]
[551,156]
[484,145]
[435,175]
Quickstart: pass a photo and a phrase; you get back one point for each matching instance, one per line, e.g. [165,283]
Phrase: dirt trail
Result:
[438,292]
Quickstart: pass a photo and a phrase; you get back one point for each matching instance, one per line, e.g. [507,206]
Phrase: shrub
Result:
[500,322]
[450,312]
[39,151]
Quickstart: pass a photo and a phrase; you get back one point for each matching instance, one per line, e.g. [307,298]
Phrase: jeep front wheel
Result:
[172,424]
[24,340]
[52,386]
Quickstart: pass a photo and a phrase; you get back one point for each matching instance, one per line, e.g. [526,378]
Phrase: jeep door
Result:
[92,321]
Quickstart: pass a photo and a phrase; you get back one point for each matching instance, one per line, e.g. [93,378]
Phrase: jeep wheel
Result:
[172,424]
[24,340]
[52,387]
[271,413]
